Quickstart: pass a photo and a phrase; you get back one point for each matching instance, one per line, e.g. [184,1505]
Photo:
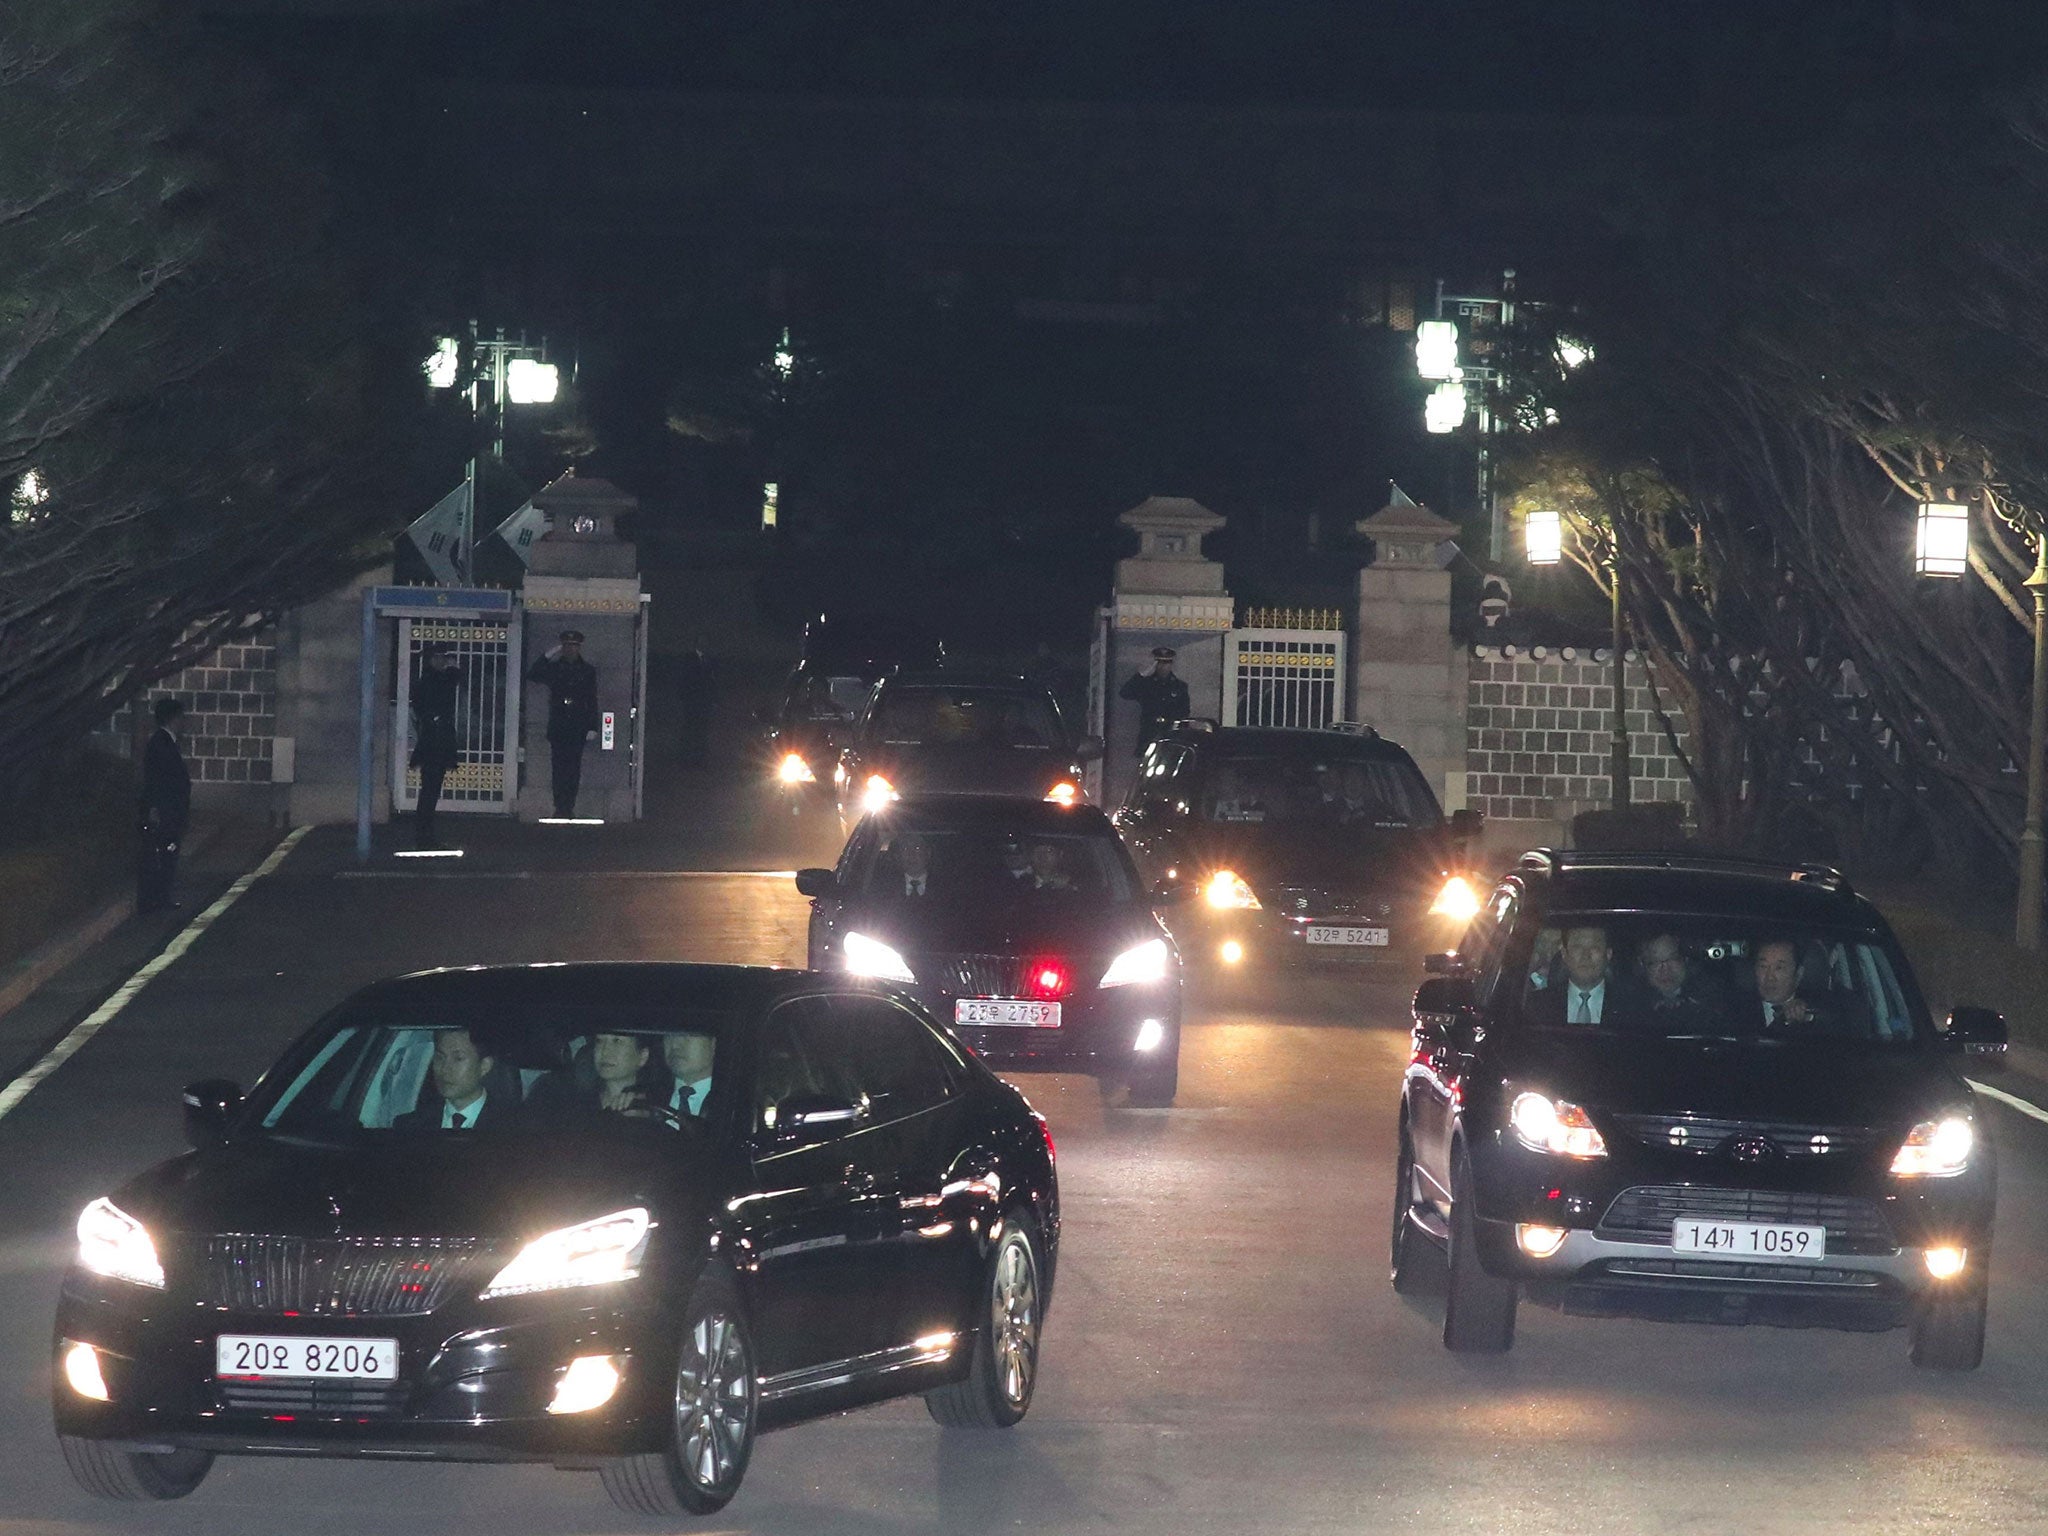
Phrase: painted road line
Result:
[2024,1106]
[565,874]
[100,1017]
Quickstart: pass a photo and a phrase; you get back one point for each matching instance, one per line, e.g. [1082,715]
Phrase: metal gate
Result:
[485,777]
[1289,675]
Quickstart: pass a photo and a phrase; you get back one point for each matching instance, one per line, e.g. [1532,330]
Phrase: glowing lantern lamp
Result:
[1941,544]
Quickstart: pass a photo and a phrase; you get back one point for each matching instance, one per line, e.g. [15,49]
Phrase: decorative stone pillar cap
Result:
[1170,527]
[1406,537]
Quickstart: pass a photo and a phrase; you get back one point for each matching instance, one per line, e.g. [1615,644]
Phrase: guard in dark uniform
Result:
[1162,698]
[166,807]
[571,683]
[433,736]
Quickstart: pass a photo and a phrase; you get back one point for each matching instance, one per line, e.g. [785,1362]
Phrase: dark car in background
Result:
[825,693]
[960,733]
[1693,1088]
[1302,844]
[695,1202]
[1022,923]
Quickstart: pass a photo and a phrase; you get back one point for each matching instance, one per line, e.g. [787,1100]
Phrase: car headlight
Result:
[794,770]
[1543,1124]
[871,957]
[1140,963]
[115,1244]
[1227,889]
[1936,1149]
[589,1253]
[877,792]
[1066,792]
[1457,900]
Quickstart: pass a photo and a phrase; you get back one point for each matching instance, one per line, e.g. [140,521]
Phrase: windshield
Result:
[1692,976]
[1313,790]
[986,867]
[833,698]
[983,717]
[449,1072]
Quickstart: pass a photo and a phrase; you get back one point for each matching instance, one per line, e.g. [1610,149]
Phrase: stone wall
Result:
[1538,734]
[230,703]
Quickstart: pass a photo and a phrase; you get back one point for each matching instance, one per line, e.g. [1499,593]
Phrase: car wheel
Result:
[1479,1309]
[1154,1085]
[110,1472]
[1948,1333]
[717,1401]
[1408,1251]
[997,1389]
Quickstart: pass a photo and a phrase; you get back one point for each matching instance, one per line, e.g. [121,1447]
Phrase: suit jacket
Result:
[1618,1005]
[433,709]
[166,784]
[427,1117]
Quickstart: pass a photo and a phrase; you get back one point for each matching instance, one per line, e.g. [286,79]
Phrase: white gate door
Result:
[1283,677]
[485,777]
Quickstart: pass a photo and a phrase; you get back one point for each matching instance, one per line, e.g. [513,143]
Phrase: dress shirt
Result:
[463,1119]
[1583,1005]
[688,1098]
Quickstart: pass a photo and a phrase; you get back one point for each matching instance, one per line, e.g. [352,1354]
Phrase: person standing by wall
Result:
[1162,698]
[571,683]
[696,694]
[433,736]
[166,807]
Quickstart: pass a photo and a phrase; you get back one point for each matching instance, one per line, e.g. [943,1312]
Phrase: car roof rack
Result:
[1559,861]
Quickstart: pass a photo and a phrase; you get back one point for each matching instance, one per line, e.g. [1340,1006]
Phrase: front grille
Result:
[342,1399]
[1320,901]
[1646,1213]
[1705,1136]
[336,1277]
[972,975]
[1755,1274]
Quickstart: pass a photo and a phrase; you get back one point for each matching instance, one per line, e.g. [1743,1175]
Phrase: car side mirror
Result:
[818,884]
[811,1117]
[1447,1010]
[1976,1031]
[1088,749]
[210,1107]
[1445,962]
[1465,825]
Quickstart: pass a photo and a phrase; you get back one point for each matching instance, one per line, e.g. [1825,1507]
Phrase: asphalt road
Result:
[1225,1354]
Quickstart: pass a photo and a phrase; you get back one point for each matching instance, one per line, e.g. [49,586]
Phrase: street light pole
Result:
[1618,795]
[2028,925]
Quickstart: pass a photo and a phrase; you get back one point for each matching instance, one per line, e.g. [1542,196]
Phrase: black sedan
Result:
[1022,923]
[1698,1089]
[610,1217]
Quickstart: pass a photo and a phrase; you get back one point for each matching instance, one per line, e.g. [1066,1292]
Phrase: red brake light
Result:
[1047,977]
[1045,1130]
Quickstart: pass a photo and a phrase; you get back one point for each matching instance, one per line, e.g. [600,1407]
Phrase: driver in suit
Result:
[1778,1007]
[461,1100]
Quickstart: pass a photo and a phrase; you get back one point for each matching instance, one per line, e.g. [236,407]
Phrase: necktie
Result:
[1777,1015]
[1585,1013]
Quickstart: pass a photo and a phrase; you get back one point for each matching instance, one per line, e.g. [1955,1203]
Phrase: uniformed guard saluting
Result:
[571,683]
[1162,698]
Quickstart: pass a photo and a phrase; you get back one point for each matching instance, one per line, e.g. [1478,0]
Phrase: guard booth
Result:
[481,630]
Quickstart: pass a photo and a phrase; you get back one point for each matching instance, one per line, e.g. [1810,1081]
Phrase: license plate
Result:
[1376,937]
[1748,1239]
[1003,1010]
[252,1355]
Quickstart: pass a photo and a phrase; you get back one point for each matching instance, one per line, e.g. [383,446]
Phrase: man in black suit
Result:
[1586,993]
[434,744]
[166,807]
[1778,1008]
[1676,999]
[462,1102]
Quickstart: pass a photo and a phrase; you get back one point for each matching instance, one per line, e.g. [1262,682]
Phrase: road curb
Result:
[55,954]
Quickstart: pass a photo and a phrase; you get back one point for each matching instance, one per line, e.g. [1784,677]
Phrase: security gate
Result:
[485,777]
[1286,674]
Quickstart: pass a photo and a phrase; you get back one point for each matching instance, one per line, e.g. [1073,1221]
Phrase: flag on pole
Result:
[437,535]
[521,529]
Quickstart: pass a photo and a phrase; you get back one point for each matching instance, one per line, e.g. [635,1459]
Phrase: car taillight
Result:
[1047,977]
[1052,1153]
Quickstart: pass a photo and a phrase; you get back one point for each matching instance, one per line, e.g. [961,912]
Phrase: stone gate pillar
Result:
[1166,594]
[1406,677]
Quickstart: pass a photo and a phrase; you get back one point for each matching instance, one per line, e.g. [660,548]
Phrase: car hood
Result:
[1274,854]
[1023,928]
[482,1184]
[1816,1082]
[968,770]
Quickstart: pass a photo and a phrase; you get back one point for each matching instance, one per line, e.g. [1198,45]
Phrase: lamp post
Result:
[517,373]
[1543,544]
[1465,386]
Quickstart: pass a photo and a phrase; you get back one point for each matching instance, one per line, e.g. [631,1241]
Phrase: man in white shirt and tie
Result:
[458,1071]
[689,1062]
[1777,988]
[915,855]
[1586,992]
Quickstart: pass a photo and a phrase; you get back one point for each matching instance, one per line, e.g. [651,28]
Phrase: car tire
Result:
[1408,1250]
[1003,1373]
[109,1472]
[717,1402]
[1948,1332]
[1479,1309]
[1154,1086]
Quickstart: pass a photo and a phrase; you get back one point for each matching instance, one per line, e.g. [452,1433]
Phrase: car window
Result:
[991,866]
[1719,976]
[920,715]
[1159,771]
[1342,793]
[856,1049]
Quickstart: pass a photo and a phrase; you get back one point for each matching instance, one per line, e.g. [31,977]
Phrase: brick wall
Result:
[230,712]
[1538,734]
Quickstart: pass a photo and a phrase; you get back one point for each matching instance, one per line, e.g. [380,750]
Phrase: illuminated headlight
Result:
[1227,890]
[871,957]
[1456,900]
[590,1253]
[82,1371]
[794,770]
[1551,1125]
[1066,792]
[1946,1263]
[1151,1035]
[1539,1242]
[115,1244]
[1141,963]
[1936,1149]
[876,793]
[587,1382]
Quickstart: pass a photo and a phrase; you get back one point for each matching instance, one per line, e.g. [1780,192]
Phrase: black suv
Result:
[1694,1088]
[1325,844]
[824,695]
